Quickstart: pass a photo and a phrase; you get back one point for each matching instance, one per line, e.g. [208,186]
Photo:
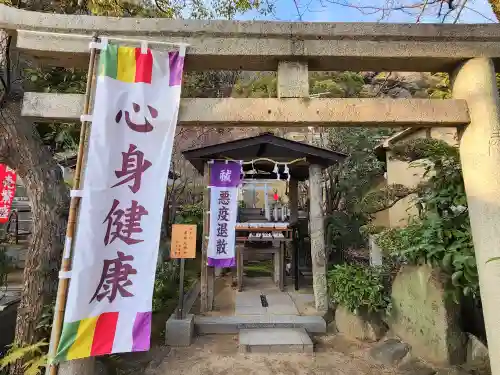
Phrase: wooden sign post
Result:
[183,247]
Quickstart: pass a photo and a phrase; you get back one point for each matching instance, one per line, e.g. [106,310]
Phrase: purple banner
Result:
[223,212]
[222,263]
[225,174]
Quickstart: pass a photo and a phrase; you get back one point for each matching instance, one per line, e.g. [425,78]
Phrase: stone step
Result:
[275,340]
[207,325]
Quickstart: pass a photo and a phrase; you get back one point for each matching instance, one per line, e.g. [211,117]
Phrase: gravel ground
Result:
[218,355]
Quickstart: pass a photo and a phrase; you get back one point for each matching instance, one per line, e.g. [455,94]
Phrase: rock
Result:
[478,367]
[476,350]
[424,316]
[365,327]
[329,315]
[390,352]
[415,367]
[332,327]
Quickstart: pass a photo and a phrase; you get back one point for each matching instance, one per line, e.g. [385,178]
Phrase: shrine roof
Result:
[266,145]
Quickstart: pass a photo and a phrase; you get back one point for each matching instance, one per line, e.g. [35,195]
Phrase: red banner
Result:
[7,191]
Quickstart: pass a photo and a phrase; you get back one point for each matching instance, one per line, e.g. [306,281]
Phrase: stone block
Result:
[390,352]
[233,324]
[365,327]
[275,341]
[250,310]
[179,332]
[293,79]
[282,309]
[424,316]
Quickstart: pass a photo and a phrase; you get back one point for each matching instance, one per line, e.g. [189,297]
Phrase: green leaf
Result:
[16,353]
[455,278]
[446,262]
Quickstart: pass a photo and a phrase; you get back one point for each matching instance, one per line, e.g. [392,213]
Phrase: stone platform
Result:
[266,319]
[275,341]
[250,303]
[207,325]
[235,311]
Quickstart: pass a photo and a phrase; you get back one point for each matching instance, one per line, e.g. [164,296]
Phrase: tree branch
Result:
[385,198]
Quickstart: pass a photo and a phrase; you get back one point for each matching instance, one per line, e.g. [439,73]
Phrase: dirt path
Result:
[217,355]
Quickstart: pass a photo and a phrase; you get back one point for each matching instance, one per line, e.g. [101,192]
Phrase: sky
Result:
[474,11]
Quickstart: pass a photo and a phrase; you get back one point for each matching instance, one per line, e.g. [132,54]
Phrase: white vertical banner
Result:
[116,247]
[223,213]
[225,179]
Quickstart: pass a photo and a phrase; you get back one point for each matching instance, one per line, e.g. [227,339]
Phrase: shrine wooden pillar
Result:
[207,273]
[293,200]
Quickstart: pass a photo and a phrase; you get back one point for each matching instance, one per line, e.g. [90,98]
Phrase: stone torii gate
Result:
[469,52]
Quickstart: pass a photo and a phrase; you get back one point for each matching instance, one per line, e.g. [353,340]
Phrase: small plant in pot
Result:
[361,299]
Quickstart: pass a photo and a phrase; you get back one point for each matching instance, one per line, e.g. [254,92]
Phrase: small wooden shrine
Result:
[267,158]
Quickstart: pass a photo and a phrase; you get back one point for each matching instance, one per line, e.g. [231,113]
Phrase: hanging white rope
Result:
[276,163]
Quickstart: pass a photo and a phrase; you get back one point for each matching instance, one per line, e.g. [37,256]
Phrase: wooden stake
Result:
[204,293]
[62,289]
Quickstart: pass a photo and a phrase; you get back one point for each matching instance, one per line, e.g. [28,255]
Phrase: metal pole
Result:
[17,227]
[62,289]
[295,236]
[180,306]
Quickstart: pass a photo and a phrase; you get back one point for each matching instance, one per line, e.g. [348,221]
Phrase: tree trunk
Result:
[22,149]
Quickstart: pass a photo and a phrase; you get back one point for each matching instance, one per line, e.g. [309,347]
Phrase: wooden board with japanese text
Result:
[183,241]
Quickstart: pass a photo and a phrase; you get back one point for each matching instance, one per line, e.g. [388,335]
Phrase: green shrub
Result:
[358,288]
[34,357]
[166,287]
[166,284]
[440,235]
[443,242]
[343,231]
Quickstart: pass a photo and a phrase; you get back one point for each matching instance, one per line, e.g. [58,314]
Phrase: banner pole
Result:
[62,289]
[180,311]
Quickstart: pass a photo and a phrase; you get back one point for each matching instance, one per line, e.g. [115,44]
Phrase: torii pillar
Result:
[318,252]
[475,81]
[293,82]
